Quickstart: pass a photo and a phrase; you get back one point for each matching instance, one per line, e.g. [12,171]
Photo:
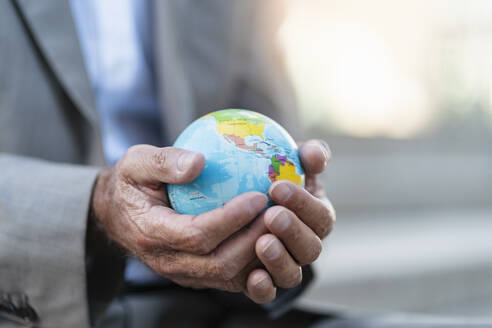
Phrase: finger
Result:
[148,164]
[221,223]
[236,254]
[233,285]
[318,214]
[228,261]
[315,155]
[314,186]
[304,245]
[286,273]
[202,233]
[260,288]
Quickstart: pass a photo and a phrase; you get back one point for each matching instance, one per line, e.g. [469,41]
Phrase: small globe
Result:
[244,151]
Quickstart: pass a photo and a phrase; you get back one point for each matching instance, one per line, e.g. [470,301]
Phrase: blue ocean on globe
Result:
[244,151]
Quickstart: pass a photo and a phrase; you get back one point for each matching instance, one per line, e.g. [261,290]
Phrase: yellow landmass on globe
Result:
[288,172]
[240,128]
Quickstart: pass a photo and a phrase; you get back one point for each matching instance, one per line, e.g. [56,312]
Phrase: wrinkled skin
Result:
[233,248]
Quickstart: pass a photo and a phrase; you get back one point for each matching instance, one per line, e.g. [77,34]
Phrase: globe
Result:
[244,151]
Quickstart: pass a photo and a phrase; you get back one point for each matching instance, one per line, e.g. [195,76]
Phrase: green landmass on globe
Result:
[244,151]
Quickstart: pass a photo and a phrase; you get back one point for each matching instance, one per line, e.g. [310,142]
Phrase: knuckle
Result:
[162,265]
[325,222]
[126,163]
[201,248]
[132,152]
[173,264]
[201,244]
[226,270]
[169,269]
[324,230]
[193,241]
[324,212]
[301,205]
[312,253]
[160,158]
[144,244]
[294,280]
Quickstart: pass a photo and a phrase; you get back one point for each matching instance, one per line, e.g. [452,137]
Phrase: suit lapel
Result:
[50,22]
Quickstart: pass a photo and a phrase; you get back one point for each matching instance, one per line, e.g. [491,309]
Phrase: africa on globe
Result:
[244,151]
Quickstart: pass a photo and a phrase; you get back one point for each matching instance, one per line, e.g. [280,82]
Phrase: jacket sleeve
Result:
[43,224]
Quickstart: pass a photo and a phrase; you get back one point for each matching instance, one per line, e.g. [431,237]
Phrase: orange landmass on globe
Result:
[239,142]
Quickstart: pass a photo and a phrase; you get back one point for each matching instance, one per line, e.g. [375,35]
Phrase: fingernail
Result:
[282,192]
[263,283]
[272,250]
[280,221]
[322,149]
[257,203]
[185,161]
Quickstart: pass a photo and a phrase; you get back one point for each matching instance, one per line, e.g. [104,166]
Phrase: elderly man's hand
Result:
[297,224]
[210,250]
[214,249]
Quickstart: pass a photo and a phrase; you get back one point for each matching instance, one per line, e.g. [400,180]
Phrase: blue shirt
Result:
[116,41]
[115,36]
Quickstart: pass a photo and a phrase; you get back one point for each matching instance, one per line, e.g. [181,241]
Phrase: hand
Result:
[297,224]
[130,204]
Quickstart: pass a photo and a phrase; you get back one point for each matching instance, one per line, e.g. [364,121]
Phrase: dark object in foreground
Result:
[16,307]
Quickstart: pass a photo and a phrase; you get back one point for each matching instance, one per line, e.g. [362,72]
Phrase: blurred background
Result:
[402,91]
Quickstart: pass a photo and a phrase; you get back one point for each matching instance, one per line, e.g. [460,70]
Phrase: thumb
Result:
[146,164]
[315,155]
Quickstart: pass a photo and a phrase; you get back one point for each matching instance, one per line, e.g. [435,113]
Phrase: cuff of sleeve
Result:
[105,266]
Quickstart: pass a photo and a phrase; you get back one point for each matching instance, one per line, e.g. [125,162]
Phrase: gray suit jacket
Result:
[211,54]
